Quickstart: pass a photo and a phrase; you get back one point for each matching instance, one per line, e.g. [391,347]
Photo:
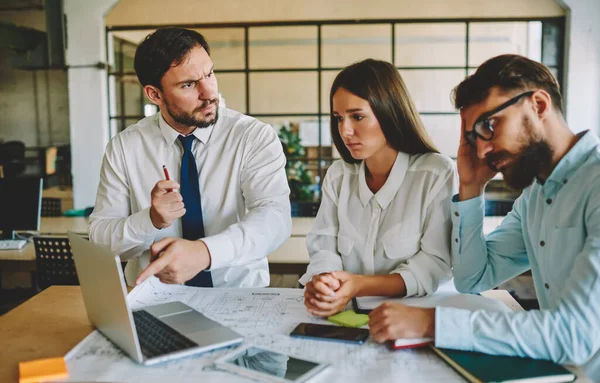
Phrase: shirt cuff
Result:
[222,252]
[409,281]
[141,226]
[453,328]
[469,212]
[307,277]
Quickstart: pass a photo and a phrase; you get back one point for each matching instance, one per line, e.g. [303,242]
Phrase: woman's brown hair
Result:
[380,84]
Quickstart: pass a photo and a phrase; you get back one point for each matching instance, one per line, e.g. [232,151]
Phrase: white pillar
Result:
[582,64]
[88,102]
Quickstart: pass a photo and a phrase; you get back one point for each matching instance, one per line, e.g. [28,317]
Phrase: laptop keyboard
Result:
[157,338]
[12,244]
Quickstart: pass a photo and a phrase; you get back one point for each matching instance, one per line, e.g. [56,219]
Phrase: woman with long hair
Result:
[383,227]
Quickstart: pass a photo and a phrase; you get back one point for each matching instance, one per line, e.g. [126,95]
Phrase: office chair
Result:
[12,158]
[51,207]
[54,262]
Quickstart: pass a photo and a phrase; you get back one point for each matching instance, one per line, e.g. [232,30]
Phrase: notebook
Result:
[349,319]
[400,344]
[482,368]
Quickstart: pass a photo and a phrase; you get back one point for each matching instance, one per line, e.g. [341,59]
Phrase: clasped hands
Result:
[329,293]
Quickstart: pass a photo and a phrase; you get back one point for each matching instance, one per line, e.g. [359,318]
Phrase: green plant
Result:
[299,178]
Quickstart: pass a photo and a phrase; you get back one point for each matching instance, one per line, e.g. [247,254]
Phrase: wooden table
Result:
[54,321]
[60,225]
[48,325]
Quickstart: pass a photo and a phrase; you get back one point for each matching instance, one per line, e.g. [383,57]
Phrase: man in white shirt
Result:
[233,213]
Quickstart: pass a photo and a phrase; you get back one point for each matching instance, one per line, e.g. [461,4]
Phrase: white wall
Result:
[87,95]
[132,12]
[582,59]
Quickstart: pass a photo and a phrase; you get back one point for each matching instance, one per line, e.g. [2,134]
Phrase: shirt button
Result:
[456,240]
[456,214]
[542,243]
[564,182]
[549,201]
[547,286]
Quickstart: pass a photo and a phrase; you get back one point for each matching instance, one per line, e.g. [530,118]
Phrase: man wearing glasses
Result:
[513,123]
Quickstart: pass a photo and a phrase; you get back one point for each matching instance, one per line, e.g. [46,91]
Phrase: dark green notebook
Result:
[479,368]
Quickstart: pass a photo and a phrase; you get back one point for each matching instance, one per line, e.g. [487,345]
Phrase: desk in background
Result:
[23,261]
[292,257]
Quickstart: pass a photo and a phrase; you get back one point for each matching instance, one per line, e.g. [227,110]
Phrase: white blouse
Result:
[404,228]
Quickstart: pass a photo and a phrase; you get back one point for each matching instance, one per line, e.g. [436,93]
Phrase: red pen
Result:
[167,176]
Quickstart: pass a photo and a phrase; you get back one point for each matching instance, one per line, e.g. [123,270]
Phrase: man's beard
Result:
[530,162]
[189,119]
[534,158]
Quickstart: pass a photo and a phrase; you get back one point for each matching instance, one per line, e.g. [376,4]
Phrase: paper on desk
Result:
[445,296]
[265,317]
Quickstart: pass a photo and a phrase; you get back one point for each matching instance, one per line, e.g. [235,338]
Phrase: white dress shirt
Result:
[243,187]
[404,228]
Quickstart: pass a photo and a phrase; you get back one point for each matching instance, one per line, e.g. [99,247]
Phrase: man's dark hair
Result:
[162,49]
[508,73]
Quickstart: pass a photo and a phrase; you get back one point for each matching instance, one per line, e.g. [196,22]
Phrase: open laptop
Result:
[152,335]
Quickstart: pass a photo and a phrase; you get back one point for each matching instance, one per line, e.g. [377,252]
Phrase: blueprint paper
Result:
[264,317]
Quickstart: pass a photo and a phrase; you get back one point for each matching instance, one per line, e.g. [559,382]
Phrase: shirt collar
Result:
[386,194]
[170,135]
[571,161]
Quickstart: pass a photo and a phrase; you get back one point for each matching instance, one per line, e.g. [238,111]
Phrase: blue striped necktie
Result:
[192,221]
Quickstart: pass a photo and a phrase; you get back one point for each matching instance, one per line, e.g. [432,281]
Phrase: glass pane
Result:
[554,72]
[431,89]
[133,96]
[128,54]
[283,47]
[343,45]
[487,40]
[307,130]
[534,40]
[121,124]
[444,130]
[226,47]
[309,135]
[327,78]
[124,53]
[552,40]
[116,65]
[292,92]
[133,37]
[113,89]
[431,44]
[232,87]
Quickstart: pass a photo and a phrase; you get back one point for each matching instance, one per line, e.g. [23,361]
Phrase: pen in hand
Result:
[167,176]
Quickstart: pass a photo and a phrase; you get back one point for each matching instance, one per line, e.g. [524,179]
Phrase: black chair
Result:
[54,262]
[51,207]
[12,158]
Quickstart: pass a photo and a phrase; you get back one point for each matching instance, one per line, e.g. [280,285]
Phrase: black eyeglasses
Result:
[482,128]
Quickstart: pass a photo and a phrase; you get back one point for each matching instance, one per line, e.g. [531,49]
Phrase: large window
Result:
[281,72]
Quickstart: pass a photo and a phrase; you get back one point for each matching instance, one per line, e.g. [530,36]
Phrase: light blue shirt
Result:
[554,230]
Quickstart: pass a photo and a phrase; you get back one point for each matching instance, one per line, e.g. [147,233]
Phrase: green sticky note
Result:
[349,319]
